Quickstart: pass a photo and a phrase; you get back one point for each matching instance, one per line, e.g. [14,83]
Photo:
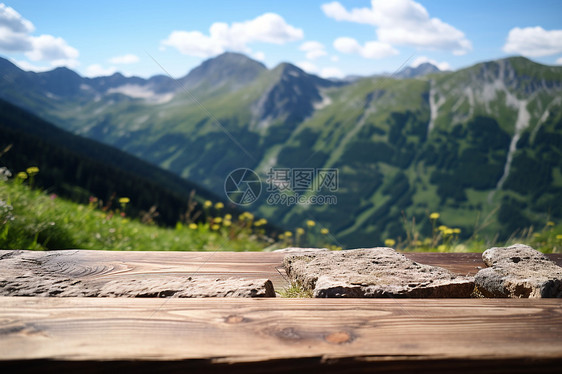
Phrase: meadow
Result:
[34,219]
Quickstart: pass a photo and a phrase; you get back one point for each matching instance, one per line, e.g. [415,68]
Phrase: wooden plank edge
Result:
[360,364]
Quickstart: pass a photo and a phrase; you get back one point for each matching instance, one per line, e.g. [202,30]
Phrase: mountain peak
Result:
[229,67]
[418,71]
[235,58]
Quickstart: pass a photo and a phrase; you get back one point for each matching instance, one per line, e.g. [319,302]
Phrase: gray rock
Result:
[374,272]
[188,287]
[519,271]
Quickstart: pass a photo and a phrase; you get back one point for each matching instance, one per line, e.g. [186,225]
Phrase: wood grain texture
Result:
[265,335]
[97,268]
[282,334]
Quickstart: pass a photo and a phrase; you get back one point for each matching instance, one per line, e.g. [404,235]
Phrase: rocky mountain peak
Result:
[228,67]
[418,71]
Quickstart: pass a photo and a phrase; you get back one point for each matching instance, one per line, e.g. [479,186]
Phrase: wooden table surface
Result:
[269,334]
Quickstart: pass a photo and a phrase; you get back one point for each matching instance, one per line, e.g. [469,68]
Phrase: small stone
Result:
[518,271]
[374,272]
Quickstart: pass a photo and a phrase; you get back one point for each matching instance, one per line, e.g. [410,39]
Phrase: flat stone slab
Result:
[518,271]
[26,273]
[374,272]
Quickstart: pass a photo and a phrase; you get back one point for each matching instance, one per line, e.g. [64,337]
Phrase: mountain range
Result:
[480,145]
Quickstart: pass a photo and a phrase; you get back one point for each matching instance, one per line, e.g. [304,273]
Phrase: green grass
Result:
[30,219]
[444,238]
[295,291]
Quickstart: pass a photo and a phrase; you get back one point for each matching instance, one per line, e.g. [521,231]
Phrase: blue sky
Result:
[329,38]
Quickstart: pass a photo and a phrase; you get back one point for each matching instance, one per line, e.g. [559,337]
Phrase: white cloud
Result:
[331,72]
[403,22]
[559,61]
[125,59]
[533,41]
[359,15]
[14,30]
[27,66]
[313,49]
[267,28]
[96,70]
[49,48]
[443,66]
[12,20]
[307,66]
[68,62]
[335,58]
[374,50]
[15,36]
[260,56]
[194,43]
[327,72]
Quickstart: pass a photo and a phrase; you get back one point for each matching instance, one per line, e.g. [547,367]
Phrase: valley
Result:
[480,145]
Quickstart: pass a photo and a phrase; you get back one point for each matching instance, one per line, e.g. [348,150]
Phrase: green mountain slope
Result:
[480,145]
[79,168]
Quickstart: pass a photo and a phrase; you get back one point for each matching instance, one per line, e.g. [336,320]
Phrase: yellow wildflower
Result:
[434,215]
[288,234]
[456,230]
[219,205]
[549,223]
[228,217]
[32,170]
[215,227]
[21,175]
[389,242]
[246,216]
[208,204]
[124,200]
[324,231]
[227,223]
[280,236]
[559,237]
[310,223]
[448,231]
[442,248]
[217,220]
[300,230]
[442,228]
[193,226]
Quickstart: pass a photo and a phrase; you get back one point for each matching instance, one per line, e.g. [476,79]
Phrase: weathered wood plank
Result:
[100,267]
[234,335]
[515,335]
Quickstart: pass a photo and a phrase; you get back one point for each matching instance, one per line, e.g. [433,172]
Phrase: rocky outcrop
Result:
[374,272]
[518,271]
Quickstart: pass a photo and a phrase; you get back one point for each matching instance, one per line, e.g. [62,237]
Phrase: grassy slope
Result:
[29,219]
